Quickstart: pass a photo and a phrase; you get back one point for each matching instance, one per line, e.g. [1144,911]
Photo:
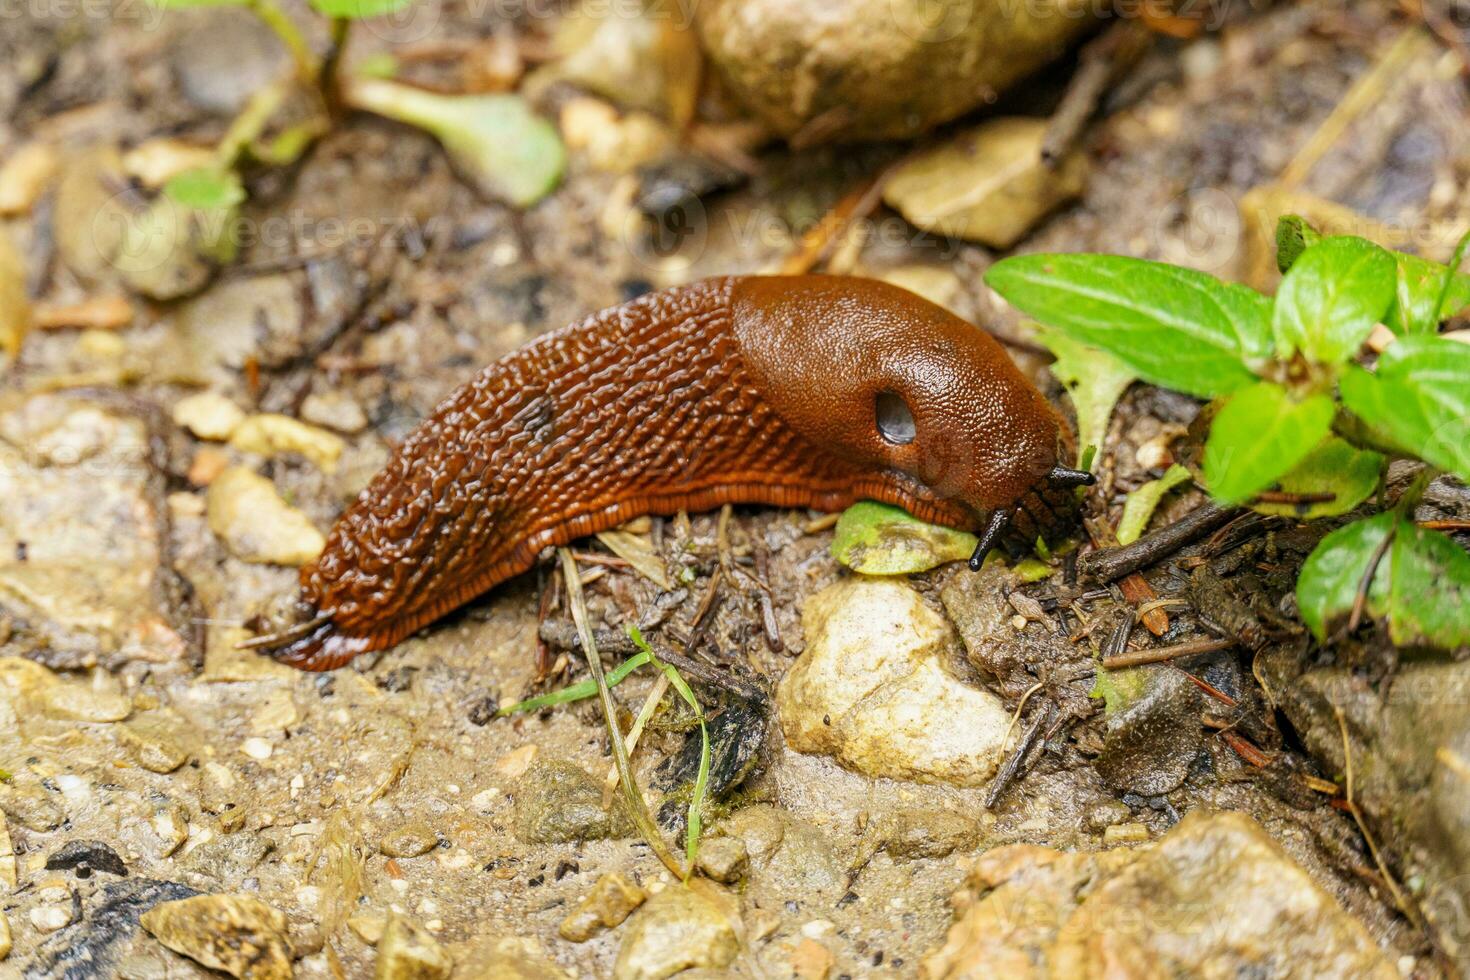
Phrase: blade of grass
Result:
[636,807]
[577,691]
[694,825]
[650,704]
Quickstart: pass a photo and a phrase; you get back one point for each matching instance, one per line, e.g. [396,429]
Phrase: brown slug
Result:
[790,391]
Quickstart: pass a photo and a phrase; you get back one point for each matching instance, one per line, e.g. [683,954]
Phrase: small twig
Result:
[637,808]
[1365,584]
[1246,749]
[820,524]
[1209,688]
[1020,706]
[1453,524]
[1157,655]
[1109,564]
[1012,765]
[1443,28]
[1099,61]
[818,240]
[1294,499]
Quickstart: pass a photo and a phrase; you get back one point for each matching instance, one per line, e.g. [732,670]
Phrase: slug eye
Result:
[895,421]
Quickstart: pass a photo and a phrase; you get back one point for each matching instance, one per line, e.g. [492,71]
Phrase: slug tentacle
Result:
[804,391]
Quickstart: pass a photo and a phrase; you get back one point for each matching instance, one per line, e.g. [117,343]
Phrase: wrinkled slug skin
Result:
[756,390]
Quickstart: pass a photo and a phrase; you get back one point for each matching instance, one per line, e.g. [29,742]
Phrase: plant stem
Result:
[285,28]
[250,122]
[636,807]
[331,85]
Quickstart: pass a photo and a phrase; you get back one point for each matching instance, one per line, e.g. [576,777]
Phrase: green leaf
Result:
[358,9]
[205,189]
[880,539]
[1095,379]
[497,142]
[1333,573]
[1419,399]
[1419,284]
[1330,300]
[1119,688]
[1293,237]
[1260,434]
[1144,501]
[1337,467]
[1029,570]
[1173,327]
[1430,592]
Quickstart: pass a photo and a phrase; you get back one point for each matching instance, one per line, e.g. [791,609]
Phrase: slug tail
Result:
[312,643]
[323,649]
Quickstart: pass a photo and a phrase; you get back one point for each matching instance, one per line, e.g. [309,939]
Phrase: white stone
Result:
[872,689]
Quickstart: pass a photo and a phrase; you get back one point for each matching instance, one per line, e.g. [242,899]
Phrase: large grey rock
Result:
[1410,744]
[1216,897]
[82,534]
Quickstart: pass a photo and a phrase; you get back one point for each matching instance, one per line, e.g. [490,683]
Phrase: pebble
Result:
[811,960]
[681,928]
[368,926]
[513,764]
[986,184]
[557,801]
[25,175]
[15,303]
[7,855]
[611,900]
[334,410]
[81,702]
[153,163]
[257,526]
[277,713]
[1125,833]
[873,690]
[152,745]
[407,951]
[209,415]
[49,918]
[30,807]
[410,840]
[4,936]
[272,435]
[240,935]
[207,464]
[725,859]
[171,827]
[257,748]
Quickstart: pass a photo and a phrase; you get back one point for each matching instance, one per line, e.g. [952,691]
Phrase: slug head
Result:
[890,380]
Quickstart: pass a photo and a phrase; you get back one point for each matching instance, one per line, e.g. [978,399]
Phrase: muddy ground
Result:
[381,282]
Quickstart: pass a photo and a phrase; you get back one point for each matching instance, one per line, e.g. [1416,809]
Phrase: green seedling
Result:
[1297,414]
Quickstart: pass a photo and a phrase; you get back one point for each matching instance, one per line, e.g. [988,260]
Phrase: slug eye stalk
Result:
[1061,476]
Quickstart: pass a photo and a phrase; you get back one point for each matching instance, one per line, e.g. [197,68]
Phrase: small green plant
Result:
[502,148]
[588,689]
[1293,410]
